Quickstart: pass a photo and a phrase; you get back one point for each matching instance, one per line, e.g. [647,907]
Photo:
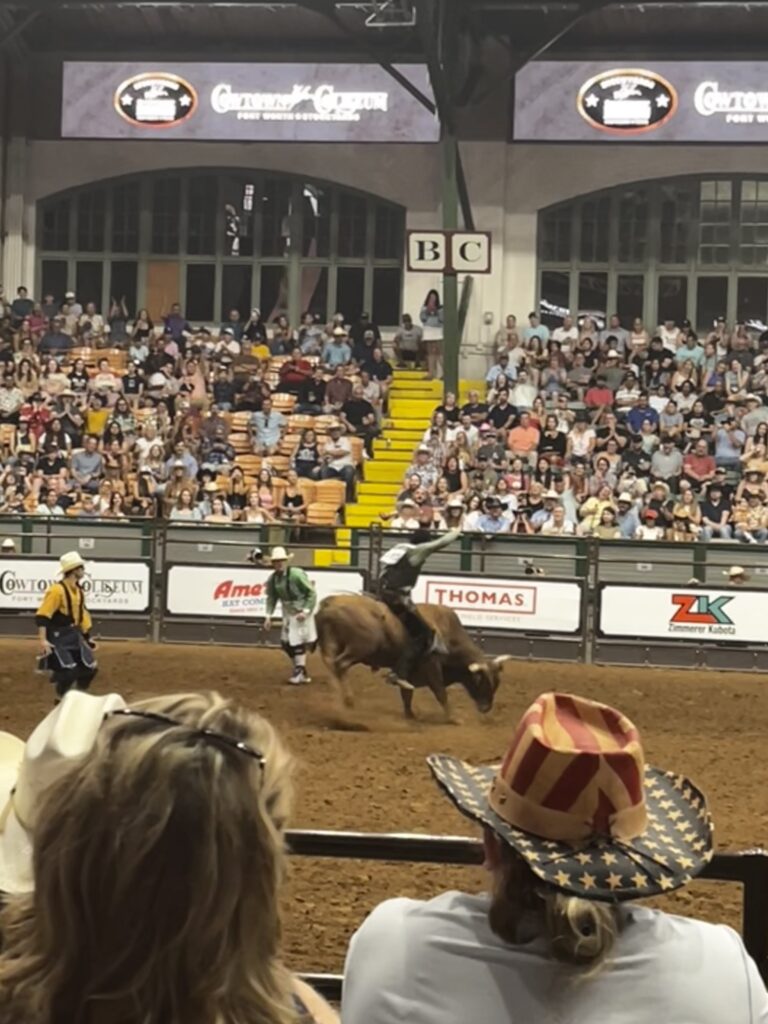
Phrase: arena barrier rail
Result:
[749,868]
[594,602]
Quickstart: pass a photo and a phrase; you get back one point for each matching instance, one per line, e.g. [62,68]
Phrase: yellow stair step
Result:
[412,408]
[380,471]
[325,558]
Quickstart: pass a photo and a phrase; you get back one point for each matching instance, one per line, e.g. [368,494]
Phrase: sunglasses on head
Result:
[206,734]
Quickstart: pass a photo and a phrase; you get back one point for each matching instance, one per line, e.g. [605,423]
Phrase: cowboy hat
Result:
[279,554]
[735,570]
[69,561]
[625,496]
[575,799]
[63,738]
[9,544]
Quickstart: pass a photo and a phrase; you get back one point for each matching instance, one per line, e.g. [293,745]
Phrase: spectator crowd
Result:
[604,430]
[115,416]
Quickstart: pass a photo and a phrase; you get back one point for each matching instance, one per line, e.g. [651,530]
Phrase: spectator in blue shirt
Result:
[729,444]
[640,412]
[55,342]
[535,329]
[266,429]
[177,326]
[501,369]
[493,519]
[690,350]
[337,351]
[627,519]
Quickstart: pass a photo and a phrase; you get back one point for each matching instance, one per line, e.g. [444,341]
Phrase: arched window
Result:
[216,240]
[683,248]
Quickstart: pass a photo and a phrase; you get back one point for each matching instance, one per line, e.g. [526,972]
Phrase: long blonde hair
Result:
[578,932]
[157,866]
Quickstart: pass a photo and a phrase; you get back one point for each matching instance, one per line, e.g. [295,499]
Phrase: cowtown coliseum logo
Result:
[701,614]
[155,99]
[627,101]
[302,103]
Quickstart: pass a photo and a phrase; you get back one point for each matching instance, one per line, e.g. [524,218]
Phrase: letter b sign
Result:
[453,252]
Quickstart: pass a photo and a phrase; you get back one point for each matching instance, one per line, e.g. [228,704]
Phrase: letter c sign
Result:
[452,252]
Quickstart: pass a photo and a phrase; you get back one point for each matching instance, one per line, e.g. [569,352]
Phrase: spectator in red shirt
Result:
[699,466]
[294,372]
[599,398]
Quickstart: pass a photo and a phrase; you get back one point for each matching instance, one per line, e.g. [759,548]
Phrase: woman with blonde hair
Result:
[576,829]
[161,853]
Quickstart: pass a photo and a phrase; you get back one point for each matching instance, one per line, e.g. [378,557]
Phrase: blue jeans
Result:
[723,532]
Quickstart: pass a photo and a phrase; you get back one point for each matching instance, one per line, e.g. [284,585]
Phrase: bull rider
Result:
[399,570]
[294,591]
[64,629]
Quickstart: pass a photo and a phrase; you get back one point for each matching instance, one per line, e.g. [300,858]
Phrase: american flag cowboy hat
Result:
[574,797]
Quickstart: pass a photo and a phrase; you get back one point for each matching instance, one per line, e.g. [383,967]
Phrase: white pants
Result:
[298,632]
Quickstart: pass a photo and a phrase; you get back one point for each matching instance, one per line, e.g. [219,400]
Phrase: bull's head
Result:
[483,681]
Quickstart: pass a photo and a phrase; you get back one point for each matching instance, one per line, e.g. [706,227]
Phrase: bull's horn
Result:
[501,659]
[475,666]
[403,684]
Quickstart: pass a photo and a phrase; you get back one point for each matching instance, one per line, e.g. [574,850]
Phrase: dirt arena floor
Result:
[365,769]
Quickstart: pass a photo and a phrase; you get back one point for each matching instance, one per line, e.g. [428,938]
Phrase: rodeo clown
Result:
[294,591]
[64,628]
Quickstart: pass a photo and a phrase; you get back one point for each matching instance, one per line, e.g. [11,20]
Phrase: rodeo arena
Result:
[383,512]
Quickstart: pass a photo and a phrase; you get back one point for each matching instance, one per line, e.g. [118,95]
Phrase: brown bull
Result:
[354,630]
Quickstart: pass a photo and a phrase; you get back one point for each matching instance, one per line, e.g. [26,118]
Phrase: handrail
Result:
[748,867]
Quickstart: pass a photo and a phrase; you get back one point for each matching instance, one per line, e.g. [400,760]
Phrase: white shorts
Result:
[298,632]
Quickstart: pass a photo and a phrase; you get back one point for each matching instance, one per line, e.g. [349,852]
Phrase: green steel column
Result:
[451,336]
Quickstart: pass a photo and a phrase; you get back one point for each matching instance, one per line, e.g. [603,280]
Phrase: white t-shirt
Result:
[438,962]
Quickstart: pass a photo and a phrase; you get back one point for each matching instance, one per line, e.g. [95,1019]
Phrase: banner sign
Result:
[108,586]
[235,592]
[245,102]
[684,613]
[529,605]
[658,101]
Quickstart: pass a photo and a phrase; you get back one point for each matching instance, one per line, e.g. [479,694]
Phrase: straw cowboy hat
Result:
[279,554]
[734,571]
[63,738]
[574,797]
[69,561]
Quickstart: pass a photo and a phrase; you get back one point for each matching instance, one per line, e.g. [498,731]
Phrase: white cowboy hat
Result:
[625,496]
[63,738]
[279,554]
[69,561]
[735,570]
[9,544]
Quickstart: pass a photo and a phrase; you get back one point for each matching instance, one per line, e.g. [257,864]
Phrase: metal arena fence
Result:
[611,602]
[748,868]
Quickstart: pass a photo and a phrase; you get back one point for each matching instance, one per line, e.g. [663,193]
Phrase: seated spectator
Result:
[557,936]
[11,400]
[557,525]
[699,466]
[294,373]
[88,465]
[406,518]
[493,520]
[408,343]
[306,456]
[591,510]
[476,410]
[649,528]
[338,390]
[523,439]
[379,369]
[336,352]
[607,528]
[254,511]
[729,444]
[55,341]
[266,429]
[502,413]
[626,518]
[423,467]
[185,509]
[312,393]
[524,392]
[580,441]
[216,783]
[337,460]
[640,412]
[364,347]
[359,418]
[598,398]
[667,462]
[750,520]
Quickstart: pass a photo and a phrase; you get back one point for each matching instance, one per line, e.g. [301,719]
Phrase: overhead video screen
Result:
[245,102]
[665,101]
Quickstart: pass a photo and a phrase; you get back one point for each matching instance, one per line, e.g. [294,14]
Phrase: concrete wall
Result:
[508,185]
